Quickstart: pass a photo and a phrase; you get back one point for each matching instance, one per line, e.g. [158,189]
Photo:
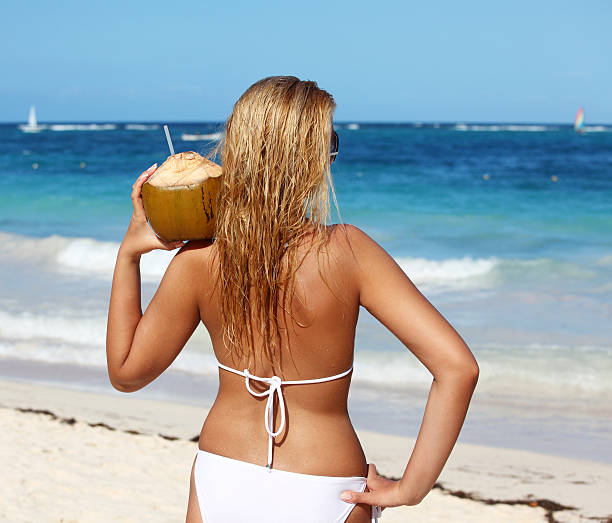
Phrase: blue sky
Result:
[519,61]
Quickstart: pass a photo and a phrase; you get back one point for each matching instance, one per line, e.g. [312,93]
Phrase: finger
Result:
[362,497]
[349,496]
[139,211]
[149,171]
[168,244]
[144,176]
[137,191]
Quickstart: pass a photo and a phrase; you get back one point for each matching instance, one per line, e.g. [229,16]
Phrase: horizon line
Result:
[339,122]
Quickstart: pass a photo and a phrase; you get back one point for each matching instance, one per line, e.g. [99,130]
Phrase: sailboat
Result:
[32,125]
[579,121]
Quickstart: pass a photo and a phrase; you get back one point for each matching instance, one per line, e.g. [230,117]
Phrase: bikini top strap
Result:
[247,374]
[318,380]
[235,371]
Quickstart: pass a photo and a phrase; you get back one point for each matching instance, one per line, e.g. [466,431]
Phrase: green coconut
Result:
[180,197]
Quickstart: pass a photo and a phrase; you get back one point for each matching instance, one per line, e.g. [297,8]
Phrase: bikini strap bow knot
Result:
[275,387]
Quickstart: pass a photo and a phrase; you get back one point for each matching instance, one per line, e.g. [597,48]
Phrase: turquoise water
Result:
[520,264]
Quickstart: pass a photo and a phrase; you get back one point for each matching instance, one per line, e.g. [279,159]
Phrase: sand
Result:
[67,455]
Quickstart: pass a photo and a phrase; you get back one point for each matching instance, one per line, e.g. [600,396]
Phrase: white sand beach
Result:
[74,456]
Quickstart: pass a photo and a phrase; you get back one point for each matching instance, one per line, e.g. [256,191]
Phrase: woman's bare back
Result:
[318,437]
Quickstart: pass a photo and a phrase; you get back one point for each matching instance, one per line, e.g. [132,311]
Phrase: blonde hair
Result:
[276,180]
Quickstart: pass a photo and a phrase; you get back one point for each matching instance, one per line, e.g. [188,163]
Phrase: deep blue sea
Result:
[506,229]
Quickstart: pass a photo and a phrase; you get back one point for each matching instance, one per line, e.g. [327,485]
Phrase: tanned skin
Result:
[319,437]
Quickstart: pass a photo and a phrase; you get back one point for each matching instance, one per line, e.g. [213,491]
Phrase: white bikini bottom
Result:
[233,491]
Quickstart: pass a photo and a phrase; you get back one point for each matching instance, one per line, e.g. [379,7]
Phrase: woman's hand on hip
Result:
[140,238]
[381,492]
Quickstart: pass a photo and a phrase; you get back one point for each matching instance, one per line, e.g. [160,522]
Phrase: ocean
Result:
[505,228]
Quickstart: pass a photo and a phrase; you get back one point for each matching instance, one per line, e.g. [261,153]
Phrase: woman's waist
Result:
[320,443]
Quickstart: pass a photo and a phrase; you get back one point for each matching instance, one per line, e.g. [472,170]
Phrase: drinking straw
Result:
[169,140]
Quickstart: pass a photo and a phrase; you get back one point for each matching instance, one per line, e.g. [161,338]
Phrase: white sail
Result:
[32,125]
[32,117]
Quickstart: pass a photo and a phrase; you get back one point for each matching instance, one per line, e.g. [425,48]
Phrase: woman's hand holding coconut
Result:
[140,238]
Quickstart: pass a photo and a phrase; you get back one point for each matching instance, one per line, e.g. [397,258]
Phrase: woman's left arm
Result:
[140,347]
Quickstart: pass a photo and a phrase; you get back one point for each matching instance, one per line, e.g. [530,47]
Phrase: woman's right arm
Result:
[389,295]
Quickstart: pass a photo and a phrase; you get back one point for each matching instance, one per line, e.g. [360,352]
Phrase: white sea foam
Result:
[551,370]
[97,258]
[596,129]
[53,352]
[510,127]
[83,127]
[67,327]
[605,260]
[79,337]
[87,256]
[84,256]
[141,127]
[532,370]
[186,137]
[422,270]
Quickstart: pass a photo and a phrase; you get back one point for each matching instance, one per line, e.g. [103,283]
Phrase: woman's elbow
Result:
[473,372]
[121,388]
[468,370]
[465,370]
[121,385]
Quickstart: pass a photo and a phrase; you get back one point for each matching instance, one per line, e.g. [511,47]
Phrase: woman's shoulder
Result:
[359,250]
[194,253]
[347,235]
[347,244]
[346,228]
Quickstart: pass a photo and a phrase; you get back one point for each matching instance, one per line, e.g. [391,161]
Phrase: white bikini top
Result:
[275,384]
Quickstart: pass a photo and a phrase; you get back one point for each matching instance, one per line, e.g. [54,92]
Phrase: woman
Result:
[279,292]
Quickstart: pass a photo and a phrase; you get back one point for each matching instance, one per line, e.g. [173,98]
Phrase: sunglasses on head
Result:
[335,141]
